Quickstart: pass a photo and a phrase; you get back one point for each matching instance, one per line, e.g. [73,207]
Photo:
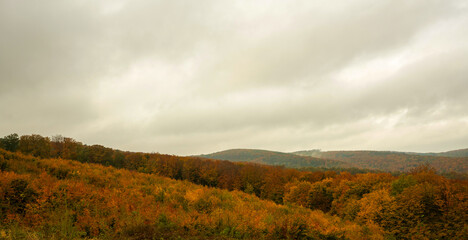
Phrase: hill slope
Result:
[48,198]
[453,153]
[275,158]
[64,199]
[393,161]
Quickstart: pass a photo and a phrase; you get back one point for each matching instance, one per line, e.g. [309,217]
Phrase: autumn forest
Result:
[58,188]
[225,119]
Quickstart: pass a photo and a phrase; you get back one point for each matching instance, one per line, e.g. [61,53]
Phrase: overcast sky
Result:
[190,77]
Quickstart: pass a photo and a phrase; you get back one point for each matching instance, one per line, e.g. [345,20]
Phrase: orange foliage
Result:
[69,199]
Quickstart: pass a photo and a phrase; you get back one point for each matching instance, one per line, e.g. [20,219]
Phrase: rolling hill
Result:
[371,160]
[395,161]
[63,189]
[275,158]
[65,199]
[453,153]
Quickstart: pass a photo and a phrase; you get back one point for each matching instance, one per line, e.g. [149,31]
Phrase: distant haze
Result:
[190,77]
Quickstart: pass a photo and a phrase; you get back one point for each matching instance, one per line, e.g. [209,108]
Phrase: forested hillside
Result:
[42,195]
[453,153]
[64,199]
[393,161]
[275,158]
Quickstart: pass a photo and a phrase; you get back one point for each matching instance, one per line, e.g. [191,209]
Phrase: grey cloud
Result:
[198,76]
[316,43]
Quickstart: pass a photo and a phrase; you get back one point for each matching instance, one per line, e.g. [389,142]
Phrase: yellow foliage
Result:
[371,205]
[193,195]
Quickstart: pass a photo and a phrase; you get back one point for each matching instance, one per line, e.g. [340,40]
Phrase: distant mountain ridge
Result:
[453,153]
[389,161]
[275,158]
[451,161]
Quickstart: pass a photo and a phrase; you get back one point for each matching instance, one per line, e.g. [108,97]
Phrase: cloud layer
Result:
[189,77]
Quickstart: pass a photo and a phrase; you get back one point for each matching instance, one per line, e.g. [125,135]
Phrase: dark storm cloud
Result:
[190,77]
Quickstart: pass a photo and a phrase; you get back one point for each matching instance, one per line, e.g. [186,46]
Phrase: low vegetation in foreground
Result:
[64,199]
